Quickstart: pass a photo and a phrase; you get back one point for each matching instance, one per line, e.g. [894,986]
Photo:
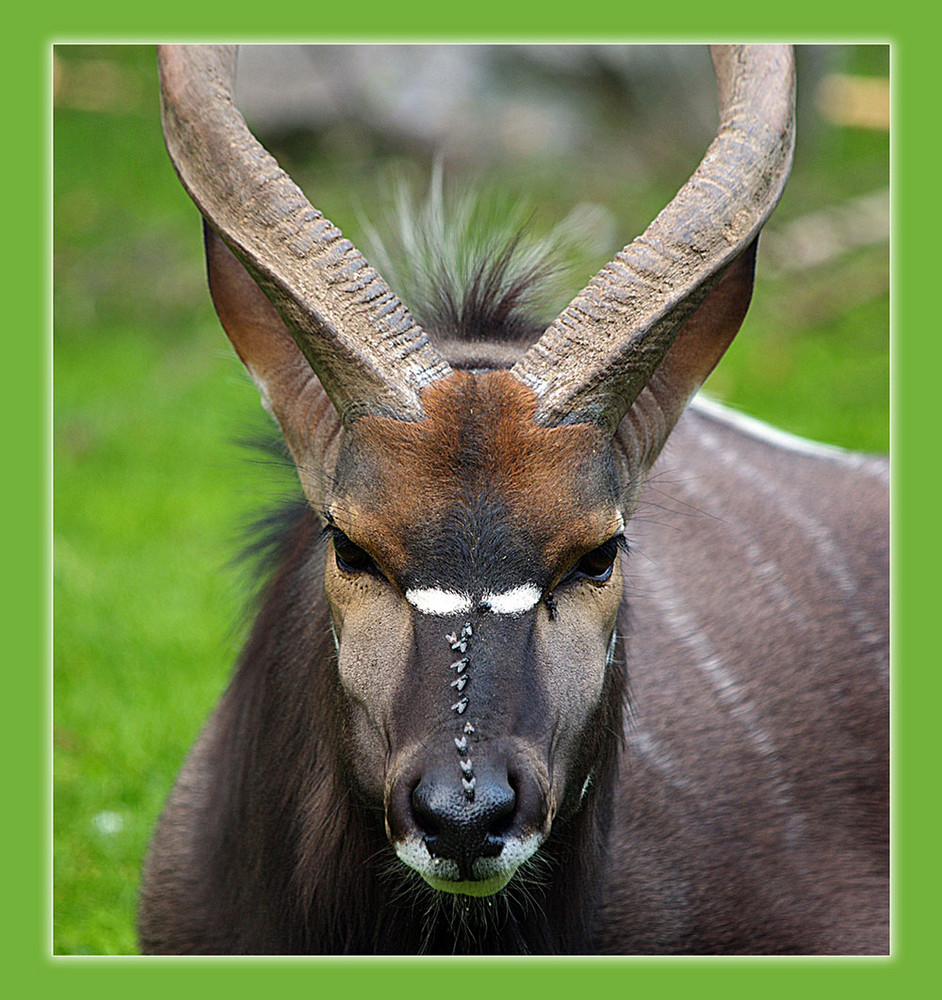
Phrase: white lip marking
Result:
[488,874]
[435,601]
[516,601]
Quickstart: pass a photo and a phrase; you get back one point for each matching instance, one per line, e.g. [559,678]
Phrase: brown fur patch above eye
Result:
[554,485]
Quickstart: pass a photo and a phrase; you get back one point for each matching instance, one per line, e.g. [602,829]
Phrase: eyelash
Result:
[349,556]
[597,565]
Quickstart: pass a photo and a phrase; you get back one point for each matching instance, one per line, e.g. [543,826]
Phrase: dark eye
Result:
[351,558]
[597,564]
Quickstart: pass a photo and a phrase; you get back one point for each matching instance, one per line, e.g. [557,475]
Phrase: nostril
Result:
[429,834]
[492,845]
[425,822]
[501,825]
[501,815]
[424,813]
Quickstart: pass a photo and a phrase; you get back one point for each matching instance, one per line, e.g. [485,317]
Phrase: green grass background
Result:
[151,491]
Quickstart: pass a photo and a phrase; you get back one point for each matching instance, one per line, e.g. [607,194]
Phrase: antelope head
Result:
[477,518]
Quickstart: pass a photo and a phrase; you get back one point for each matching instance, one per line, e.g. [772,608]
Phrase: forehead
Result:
[476,487]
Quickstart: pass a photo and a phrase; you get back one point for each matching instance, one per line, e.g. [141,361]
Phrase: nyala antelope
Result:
[484,708]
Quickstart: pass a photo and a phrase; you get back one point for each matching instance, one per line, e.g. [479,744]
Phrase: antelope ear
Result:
[696,351]
[284,377]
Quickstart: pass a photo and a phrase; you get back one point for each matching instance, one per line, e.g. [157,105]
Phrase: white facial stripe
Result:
[436,601]
[516,601]
[611,650]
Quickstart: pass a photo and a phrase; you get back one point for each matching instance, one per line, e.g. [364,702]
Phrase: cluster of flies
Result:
[459,644]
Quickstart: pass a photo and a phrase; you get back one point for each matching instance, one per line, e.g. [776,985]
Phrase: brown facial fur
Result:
[418,497]
[555,485]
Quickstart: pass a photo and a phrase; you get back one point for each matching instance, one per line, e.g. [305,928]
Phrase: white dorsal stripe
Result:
[441,602]
[436,601]
[761,431]
[515,601]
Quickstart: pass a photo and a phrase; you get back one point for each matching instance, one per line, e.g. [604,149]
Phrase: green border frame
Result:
[26,582]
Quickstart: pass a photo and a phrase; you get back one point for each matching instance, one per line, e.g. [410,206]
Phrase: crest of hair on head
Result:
[472,265]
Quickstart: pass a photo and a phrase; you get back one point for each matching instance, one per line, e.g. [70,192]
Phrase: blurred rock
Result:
[475,102]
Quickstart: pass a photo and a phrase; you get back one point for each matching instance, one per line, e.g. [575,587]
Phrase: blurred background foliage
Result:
[152,491]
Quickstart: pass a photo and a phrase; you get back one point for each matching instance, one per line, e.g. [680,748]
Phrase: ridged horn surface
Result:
[596,357]
[361,341]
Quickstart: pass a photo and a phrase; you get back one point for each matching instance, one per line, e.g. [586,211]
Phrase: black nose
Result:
[460,827]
